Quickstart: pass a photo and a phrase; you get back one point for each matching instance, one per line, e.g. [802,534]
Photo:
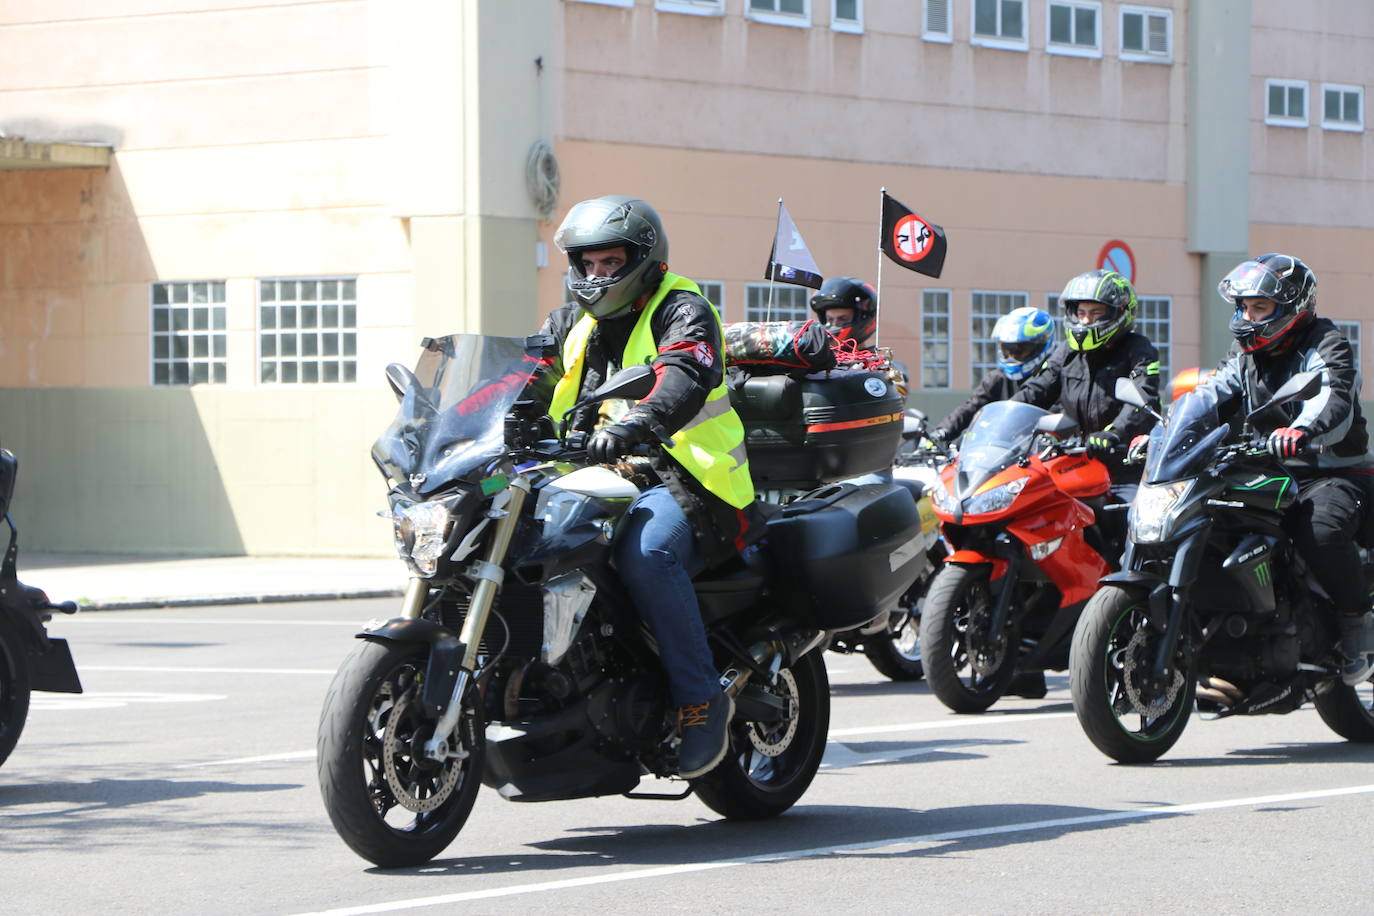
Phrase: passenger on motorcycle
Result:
[1322,440]
[1024,339]
[848,307]
[628,309]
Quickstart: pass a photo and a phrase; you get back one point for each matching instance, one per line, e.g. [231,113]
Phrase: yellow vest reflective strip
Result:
[711,444]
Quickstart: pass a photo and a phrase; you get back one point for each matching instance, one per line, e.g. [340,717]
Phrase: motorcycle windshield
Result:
[452,414]
[1182,445]
[1000,435]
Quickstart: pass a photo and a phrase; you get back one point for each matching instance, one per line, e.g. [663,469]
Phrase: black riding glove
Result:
[1100,445]
[610,443]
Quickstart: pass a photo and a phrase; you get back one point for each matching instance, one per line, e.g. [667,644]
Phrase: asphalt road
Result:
[183,781]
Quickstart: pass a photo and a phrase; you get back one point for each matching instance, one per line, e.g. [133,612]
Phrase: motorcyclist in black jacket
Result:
[1024,338]
[1322,440]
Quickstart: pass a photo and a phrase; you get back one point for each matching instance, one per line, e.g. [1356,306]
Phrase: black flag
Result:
[791,261]
[911,241]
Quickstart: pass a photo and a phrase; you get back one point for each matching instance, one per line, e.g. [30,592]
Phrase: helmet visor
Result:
[1251,280]
[1020,351]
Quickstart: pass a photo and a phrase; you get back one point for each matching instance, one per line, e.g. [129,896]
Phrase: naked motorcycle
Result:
[518,660]
[1213,605]
[30,659]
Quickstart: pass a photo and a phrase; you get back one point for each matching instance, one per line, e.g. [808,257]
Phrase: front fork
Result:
[488,573]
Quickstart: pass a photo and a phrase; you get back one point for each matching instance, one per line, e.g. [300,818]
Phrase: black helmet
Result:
[613,221]
[1110,289]
[1280,277]
[848,293]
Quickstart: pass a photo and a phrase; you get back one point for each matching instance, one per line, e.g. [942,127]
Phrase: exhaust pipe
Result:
[1219,691]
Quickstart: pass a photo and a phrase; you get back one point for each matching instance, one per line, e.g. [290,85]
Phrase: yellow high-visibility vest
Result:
[711,444]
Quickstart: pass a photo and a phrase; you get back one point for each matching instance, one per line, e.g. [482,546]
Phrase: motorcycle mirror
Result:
[633,383]
[913,423]
[1128,392]
[9,469]
[1298,388]
[1058,425]
[401,380]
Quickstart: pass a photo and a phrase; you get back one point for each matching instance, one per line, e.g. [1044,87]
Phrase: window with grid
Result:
[1000,23]
[1285,103]
[781,12]
[1351,330]
[789,303]
[847,15]
[1147,34]
[308,330]
[1152,320]
[699,7]
[935,338]
[188,333]
[1342,107]
[935,21]
[1074,28]
[714,293]
[984,310]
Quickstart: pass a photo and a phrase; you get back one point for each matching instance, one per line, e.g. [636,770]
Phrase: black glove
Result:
[616,441]
[1100,445]
[1286,441]
[939,435]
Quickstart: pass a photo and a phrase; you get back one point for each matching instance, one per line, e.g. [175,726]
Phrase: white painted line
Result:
[997,830]
[115,617]
[265,758]
[952,722]
[190,669]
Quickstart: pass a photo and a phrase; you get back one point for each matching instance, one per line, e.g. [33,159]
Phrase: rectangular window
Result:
[847,15]
[1152,320]
[714,293]
[308,330]
[1147,34]
[694,7]
[985,308]
[788,303]
[1075,28]
[935,21]
[935,338]
[1351,330]
[780,12]
[1285,103]
[1342,107]
[1000,24]
[188,333]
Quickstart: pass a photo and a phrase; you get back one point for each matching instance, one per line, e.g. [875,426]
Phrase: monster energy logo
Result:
[1262,573]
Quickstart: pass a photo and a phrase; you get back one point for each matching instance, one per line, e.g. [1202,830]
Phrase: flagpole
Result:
[773,284]
[878,321]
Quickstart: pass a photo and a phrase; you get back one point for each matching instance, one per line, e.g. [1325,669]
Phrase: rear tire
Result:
[14,687]
[1349,711]
[959,599]
[896,653]
[369,731]
[1109,634]
[767,768]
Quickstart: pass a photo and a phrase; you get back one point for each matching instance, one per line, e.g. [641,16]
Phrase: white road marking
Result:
[265,758]
[82,702]
[952,722]
[192,669]
[997,830]
[114,617]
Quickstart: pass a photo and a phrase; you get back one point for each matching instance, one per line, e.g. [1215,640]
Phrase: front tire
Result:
[1349,711]
[768,767]
[1125,717]
[14,688]
[391,805]
[967,671]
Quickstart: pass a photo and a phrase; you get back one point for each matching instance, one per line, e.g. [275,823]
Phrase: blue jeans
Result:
[656,553]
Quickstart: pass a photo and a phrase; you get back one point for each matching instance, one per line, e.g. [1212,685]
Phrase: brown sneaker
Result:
[705,729]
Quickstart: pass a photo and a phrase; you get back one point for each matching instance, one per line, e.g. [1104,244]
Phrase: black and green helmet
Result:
[606,222]
[1112,290]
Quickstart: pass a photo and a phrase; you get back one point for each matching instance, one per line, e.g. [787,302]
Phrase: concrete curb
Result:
[130,604]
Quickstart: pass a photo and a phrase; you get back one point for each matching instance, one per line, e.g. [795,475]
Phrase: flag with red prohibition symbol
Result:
[910,240]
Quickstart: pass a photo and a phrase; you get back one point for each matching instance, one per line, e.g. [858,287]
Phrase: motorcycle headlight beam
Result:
[1153,509]
[422,531]
[996,499]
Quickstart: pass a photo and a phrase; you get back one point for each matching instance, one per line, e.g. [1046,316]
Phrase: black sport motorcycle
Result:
[1213,604]
[29,659]
[518,659]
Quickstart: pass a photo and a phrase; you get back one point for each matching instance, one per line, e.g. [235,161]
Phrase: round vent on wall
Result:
[541,178]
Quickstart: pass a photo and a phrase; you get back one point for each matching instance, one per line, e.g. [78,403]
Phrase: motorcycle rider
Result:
[629,309]
[848,307]
[1080,377]
[1322,440]
[1024,337]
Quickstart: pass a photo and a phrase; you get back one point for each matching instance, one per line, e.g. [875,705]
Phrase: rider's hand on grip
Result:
[1287,442]
[1136,452]
[1100,445]
[610,443]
